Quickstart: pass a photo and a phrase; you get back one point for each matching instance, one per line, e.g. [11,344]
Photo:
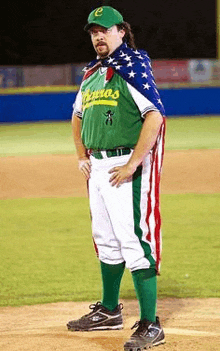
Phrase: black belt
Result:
[110,153]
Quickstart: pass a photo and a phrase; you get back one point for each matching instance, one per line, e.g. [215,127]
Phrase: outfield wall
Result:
[28,107]
[36,107]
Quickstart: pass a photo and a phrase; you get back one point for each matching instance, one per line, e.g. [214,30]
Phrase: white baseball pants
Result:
[126,222]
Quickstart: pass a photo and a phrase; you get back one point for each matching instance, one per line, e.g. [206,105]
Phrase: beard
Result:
[102,50]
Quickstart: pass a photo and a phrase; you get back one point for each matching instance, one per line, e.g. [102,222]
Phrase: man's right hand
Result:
[84,164]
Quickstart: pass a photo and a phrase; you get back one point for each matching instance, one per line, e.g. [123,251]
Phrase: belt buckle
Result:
[97,154]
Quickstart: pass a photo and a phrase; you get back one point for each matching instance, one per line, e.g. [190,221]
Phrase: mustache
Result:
[100,43]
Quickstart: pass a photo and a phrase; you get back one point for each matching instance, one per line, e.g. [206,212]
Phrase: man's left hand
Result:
[121,174]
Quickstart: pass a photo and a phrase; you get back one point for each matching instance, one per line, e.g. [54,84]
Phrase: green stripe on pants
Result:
[136,187]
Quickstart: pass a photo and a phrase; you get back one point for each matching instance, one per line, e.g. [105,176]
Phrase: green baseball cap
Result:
[104,16]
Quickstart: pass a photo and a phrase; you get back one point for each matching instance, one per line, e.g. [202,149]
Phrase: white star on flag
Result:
[130,64]
[144,75]
[143,65]
[132,74]
[146,86]
[137,52]
[110,60]
[114,63]
[117,67]
[128,58]
[140,57]
[122,54]
[159,101]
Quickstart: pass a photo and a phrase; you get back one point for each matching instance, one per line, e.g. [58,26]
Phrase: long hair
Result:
[129,36]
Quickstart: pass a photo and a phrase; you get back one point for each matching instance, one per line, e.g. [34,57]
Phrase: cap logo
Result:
[98,12]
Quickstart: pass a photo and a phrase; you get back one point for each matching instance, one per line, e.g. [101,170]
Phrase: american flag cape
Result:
[134,66]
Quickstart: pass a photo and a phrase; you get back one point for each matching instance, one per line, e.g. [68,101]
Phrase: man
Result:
[118,129]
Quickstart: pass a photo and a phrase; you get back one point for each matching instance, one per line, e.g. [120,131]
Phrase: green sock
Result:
[111,279]
[145,283]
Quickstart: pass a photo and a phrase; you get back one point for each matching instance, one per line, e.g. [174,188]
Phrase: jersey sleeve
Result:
[77,106]
[144,105]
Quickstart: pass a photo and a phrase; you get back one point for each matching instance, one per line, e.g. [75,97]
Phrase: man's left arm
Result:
[147,139]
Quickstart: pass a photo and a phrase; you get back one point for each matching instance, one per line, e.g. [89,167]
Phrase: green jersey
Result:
[110,115]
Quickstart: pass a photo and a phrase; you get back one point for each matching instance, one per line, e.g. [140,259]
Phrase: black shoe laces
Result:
[141,327]
[95,307]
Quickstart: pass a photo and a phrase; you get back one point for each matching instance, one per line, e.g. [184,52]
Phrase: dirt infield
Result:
[189,324]
[191,171]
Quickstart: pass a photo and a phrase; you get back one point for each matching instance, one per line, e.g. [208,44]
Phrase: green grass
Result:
[46,251]
[42,257]
[193,133]
[56,137]
[191,245]
[36,138]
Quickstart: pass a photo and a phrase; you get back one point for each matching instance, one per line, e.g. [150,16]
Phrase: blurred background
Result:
[51,31]
[43,45]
